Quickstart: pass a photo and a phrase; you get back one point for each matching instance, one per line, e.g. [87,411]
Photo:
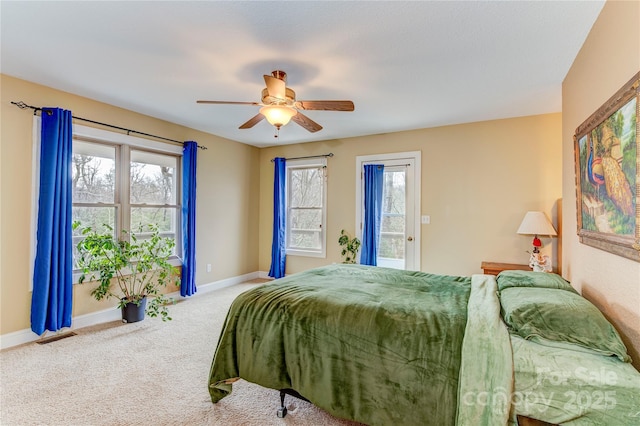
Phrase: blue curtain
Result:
[52,298]
[373,182]
[189,166]
[278,246]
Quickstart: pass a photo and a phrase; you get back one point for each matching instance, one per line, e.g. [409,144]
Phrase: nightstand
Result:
[494,268]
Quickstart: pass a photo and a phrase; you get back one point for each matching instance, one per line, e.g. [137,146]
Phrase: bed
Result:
[383,346]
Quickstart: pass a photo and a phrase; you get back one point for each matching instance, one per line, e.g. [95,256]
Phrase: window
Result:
[306,207]
[104,191]
[126,188]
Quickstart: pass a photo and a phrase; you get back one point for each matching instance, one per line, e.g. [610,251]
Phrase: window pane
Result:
[306,187]
[163,217]
[305,229]
[93,173]
[394,192]
[91,217]
[392,227]
[94,218]
[153,178]
[391,245]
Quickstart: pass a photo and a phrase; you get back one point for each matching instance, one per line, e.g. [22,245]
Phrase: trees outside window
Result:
[306,207]
[392,225]
[153,191]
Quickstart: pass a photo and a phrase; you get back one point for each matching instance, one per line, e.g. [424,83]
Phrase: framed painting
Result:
[607,161]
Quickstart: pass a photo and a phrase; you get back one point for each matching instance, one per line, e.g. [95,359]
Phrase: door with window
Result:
[399,240]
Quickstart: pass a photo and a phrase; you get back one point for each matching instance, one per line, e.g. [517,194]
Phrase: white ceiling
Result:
[406,65]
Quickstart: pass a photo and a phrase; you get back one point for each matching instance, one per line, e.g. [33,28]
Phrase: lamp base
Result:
[539,262]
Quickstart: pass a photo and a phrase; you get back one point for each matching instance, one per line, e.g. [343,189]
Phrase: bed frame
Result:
[282,411]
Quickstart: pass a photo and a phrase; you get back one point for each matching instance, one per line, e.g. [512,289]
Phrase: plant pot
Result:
[134,313]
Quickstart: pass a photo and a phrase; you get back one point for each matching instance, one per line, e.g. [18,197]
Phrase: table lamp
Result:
[536,223]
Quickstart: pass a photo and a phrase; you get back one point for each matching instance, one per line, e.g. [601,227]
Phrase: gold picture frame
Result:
[607,165]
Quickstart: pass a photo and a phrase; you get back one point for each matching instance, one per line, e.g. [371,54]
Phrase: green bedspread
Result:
[390,347]
[369,344]
[569,387]
[486,367]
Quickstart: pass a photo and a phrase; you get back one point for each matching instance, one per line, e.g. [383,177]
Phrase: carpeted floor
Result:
[146,373]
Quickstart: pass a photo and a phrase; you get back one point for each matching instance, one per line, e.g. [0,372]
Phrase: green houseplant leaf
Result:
[350,247]
[128,268]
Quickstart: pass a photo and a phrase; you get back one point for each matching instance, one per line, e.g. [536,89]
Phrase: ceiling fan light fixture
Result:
[279,105]
[278,116]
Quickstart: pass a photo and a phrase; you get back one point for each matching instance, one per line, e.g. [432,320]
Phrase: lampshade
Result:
[278,115]
[536,223]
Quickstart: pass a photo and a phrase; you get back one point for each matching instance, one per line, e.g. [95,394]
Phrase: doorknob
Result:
[410,239]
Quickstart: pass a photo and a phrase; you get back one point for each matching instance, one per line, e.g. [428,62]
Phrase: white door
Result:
[399,232]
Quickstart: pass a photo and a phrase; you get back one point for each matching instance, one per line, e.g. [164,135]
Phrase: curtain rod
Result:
[22,105]
[394,165]
[308,156]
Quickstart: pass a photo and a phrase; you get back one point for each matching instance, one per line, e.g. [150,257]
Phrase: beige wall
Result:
[478,181]
[227,207]
[608,59]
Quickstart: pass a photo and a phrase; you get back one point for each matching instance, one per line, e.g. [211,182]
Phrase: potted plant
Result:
[133,270]
[350,247]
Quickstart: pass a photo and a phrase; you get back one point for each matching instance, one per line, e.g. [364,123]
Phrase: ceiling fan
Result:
[279,105]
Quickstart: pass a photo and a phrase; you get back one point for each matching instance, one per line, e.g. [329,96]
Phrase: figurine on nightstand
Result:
[540,262]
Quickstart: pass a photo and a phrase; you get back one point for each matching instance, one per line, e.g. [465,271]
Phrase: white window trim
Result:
[108,136]
[304,163]
[90,133]
[35,189]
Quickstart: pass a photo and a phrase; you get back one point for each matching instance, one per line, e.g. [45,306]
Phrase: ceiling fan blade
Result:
[306,122]
[275,87]
[252,121]
[228,102]
[325,105]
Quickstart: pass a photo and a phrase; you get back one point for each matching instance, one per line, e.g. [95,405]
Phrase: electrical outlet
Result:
[425,219]
[208,267]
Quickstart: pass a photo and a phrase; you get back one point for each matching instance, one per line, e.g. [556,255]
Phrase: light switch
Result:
[425,219]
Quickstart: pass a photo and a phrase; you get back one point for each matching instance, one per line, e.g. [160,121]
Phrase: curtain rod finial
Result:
[21,105]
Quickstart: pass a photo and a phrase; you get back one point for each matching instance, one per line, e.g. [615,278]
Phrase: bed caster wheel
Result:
[282,411]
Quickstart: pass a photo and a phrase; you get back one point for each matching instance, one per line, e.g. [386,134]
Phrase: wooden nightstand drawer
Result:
[494,268]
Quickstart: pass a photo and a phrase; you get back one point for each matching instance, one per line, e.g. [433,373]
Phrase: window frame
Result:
[298,164]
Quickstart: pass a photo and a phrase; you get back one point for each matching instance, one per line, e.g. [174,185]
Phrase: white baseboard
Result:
[218,285]
[264,275]
[112,314]
[16,338]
